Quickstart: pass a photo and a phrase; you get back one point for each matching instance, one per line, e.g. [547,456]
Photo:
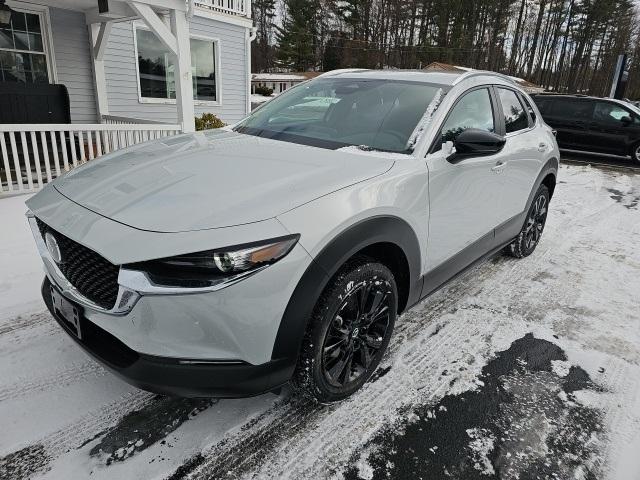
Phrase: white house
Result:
[80,78]
[279,82]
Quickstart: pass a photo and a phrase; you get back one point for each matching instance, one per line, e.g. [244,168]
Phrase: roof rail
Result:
[478,73]
[338,71]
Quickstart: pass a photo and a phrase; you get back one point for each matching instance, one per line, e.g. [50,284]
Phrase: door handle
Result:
[542,147]
[499,166]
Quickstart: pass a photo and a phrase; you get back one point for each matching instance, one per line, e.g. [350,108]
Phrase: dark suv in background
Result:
[591,124]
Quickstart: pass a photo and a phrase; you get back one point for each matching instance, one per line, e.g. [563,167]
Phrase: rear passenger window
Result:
[472,111]
[515,118]
[572,109]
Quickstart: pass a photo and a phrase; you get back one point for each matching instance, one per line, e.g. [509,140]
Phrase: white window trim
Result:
[47,39]
[172,101]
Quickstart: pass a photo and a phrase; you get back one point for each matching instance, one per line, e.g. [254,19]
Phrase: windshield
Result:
[340,112]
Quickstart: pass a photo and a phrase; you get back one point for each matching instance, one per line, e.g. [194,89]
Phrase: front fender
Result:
[379,229]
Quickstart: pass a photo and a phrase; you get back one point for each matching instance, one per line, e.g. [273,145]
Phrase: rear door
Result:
[524,150]
[571,118]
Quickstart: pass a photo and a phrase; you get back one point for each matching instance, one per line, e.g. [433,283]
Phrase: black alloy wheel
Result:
[529,237]
[535,222]
[356,333]
[349,332]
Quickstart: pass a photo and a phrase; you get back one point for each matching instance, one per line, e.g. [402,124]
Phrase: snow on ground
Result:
[19,262]
[519,368]
[257,99]
[277,76]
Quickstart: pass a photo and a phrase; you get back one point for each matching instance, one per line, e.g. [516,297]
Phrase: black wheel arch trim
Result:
[373,230]
[511,228]
[550,167]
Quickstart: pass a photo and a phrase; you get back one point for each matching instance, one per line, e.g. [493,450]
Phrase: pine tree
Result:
[298,36]
[263,13]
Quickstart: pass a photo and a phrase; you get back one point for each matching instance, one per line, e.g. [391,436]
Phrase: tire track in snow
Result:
[17,324]
[74,435]
[53,379]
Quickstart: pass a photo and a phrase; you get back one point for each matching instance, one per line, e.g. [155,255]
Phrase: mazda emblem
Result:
[53,247]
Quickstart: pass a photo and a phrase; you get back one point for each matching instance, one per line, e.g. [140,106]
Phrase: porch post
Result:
[98,36]
[176,39]
[184,84]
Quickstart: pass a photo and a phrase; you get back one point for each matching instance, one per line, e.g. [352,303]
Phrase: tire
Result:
[635,153]
[529,237]
[342,348]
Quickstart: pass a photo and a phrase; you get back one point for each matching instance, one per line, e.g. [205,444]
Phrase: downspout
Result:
[250,35]
[190,9]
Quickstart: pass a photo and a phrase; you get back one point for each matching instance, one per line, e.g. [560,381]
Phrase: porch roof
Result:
[120,10]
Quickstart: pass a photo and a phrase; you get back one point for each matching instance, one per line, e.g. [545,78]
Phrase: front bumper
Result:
[172,376]
[239,322]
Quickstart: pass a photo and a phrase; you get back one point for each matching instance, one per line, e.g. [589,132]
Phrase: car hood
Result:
[211,180]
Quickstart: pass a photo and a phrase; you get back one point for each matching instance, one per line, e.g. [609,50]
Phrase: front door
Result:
[608,133]
[463,196]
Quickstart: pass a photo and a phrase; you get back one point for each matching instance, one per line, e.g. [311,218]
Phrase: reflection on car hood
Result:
[211,179]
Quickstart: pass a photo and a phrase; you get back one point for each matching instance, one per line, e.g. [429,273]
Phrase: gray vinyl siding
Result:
[72,59]
[122,81]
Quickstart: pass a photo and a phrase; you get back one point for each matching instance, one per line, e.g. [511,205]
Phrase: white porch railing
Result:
[34,154]
[232,7]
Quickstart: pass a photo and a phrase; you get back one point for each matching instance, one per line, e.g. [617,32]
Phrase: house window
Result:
[156,68]
[22,54]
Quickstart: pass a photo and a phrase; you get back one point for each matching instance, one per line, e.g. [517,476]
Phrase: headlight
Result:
[213,267]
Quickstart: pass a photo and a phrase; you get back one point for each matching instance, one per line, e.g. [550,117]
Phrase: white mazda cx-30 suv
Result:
[230,262]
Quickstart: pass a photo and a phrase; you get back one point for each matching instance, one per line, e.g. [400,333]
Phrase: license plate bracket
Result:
[68,312]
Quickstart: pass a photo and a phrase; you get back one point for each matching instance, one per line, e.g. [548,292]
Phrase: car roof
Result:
[582,97]
[577,96]
[439,78]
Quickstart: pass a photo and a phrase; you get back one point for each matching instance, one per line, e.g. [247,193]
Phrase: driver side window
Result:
[474,110]
[609,113]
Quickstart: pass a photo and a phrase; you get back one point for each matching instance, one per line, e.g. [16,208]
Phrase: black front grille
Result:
[93,276]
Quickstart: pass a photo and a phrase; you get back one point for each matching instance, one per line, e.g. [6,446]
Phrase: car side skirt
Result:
[475,254]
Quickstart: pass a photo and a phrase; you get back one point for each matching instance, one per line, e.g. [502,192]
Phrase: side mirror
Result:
[626,120]
[475,143]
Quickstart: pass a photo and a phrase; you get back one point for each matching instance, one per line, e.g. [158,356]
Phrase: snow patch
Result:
[365,471]
[425,120]
[255,98]
[560,368]
[481,445]
[365,150]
